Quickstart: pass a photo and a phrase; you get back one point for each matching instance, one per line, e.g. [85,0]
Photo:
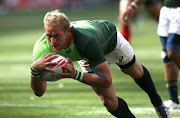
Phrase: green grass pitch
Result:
[68,98]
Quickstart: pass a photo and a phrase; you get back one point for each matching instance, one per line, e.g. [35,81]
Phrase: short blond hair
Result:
[54,18]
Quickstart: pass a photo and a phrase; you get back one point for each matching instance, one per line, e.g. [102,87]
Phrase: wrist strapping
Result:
[34,73]
[78,75]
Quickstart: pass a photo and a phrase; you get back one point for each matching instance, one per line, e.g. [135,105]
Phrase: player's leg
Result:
[139,73]
[115,105]
[171,76]
[173,52]
[172,32]
[142,77]
[173,47]
[124,28]
[153,7]
[170,70]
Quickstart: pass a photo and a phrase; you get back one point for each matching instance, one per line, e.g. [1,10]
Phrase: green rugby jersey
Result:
[92,40]
[172,3]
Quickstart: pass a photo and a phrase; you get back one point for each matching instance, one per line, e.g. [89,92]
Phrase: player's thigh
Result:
[154,10]
[135,70]
[173,45]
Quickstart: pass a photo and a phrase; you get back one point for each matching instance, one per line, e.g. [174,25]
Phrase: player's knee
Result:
[135,72]
[172,55]
[165,57]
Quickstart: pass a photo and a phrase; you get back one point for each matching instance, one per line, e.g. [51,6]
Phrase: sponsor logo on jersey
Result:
[68,50]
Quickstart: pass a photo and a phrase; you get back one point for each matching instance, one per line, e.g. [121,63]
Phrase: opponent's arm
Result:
[37,84]
[100,78]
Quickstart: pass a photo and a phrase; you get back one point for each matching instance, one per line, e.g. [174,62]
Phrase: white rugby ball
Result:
[54,76]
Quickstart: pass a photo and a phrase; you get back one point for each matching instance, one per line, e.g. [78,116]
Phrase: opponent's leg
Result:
[115,105]
[173,48]
[154,10]
[171,52]
[171,76]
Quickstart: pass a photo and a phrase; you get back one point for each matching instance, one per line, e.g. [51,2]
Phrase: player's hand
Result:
[69,68]
[127,16]
[44,62]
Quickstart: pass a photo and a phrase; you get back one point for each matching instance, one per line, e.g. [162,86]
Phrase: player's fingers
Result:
[49,58]
[64,75]
[49,69]
[67,67]
[51,63]
[50,54]
[70,61]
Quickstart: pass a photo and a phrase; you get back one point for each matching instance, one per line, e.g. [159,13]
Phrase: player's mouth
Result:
[55,46]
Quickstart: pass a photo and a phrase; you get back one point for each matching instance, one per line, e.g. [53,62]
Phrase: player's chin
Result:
[57,49]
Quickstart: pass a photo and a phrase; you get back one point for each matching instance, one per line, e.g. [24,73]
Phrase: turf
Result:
[67,98]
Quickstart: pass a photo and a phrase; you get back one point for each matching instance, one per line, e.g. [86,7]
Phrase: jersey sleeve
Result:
[90,49]
[94,53]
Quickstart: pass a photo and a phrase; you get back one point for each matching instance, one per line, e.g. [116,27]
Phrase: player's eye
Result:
[49,36]
[56,36]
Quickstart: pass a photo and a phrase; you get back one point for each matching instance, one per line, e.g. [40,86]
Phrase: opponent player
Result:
[169,32]
[99,44]
[128,8]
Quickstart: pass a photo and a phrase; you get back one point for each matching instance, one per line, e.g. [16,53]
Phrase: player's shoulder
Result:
[41,47]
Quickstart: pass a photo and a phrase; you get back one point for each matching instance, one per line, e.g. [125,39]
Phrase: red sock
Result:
[126,32]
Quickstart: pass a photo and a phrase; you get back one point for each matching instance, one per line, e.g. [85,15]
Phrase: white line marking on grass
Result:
[50,106]
[66,106]
[71,106]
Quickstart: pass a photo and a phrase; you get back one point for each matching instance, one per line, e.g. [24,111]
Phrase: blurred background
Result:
[21,26]
[46,4]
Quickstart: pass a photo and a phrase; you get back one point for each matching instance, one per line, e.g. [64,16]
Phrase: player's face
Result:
[57,38]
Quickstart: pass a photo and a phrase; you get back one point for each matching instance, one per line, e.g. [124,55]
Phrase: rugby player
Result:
[94,44]
[169,32]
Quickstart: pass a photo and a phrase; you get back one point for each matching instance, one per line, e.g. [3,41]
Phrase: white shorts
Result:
[121,55]
[169,21]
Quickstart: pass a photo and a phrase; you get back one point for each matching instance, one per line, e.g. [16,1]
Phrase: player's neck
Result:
[72,38]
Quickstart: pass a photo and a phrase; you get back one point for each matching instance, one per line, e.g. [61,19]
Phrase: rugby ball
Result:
[54,76]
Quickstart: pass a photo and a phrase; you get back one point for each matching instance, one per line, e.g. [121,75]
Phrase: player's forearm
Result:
[38,85]
[97,80]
